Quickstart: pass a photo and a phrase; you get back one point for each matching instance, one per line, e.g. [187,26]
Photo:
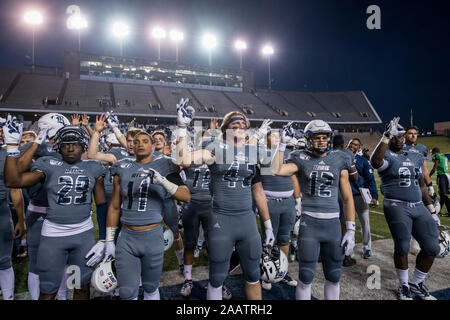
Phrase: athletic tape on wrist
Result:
[12,148]
[181,132]
[282,147]
[111,233]
[268,224]
[385,140]
[431,208]
[350,225]
[169,186]
[117,132]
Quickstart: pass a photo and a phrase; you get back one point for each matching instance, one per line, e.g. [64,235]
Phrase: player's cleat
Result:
[197,250]
[367,254]
[226,293]
[266,285]
[22,252]
[235,271]
[348,261]
[404,293]
[289,281]
[186,288]
[420,291]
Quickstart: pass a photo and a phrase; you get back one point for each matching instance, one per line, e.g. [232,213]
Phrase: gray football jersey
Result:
[142,201]
[231,176]
[418,148]
[272,182]
[319,179]
[4,191]
[37,193]
[400,180]
[197,180]
[119,153]
[69,188]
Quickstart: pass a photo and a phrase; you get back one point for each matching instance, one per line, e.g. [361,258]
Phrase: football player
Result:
[440,166]
[232,164]
[140,187]
[67,231]
[405,193]
[283,197]
[322,174]
[411,145]
[7,231]
[48,125]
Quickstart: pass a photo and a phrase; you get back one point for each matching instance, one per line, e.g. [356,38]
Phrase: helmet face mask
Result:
[71,134]
[444,243]
[104,277]
[312,130]
[274,265]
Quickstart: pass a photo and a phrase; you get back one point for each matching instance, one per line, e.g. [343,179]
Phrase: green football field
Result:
[378,225]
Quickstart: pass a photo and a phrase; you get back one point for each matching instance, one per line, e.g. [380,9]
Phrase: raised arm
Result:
[85,123]
[261,132]
[93,153]
[393,129]
[113,123]
[277,166]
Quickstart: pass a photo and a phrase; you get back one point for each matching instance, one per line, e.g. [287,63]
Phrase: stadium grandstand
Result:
[148,91]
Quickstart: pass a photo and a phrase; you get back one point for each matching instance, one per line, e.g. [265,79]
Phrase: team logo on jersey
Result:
[321,166]
[125,165]
[124,153]
[55,163]
[304,157]
[74,170]
[49,149]
[407,163]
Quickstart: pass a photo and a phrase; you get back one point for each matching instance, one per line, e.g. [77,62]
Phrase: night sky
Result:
[320,45]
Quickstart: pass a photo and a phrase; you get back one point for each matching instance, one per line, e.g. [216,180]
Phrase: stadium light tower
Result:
[159,33]
[33,18]
[209,42]
[176,36]
[120,30]
[77,22]
[268,51]
[240,45]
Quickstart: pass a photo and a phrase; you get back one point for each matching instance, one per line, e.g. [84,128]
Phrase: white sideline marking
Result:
[377,212]
[377,235]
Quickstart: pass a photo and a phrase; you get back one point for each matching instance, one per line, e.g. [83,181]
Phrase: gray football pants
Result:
[226,231]
[282,215]
[194,214]
[55,253]
[139,254]
[6,236]
[362,209]
[405,219]
[319,236]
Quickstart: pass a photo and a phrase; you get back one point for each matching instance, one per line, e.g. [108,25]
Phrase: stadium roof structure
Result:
[36,93]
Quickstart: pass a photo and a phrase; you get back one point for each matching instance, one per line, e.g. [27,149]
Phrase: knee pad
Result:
[401,236]
[333,275]
[128,293]
[216,279]
[283,239]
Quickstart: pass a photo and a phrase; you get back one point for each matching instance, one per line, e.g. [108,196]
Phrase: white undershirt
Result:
[51,229]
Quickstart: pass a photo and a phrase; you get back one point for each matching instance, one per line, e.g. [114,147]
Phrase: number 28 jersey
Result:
[319,179]
[400,176]
[142,201]
[69,188]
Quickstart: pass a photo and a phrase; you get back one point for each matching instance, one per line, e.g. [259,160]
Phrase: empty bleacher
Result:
[248,99]
[214,98]
[32,89]
[138,97]
[86,93]
[170,97]
[307,103]
[6,78]
[275,100]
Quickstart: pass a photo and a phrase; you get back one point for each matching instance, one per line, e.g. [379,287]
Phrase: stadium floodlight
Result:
[158,33]
[209,42]
[240,45]
[33,18]
[267,50]
[120,30]
[77,22]
[176,36]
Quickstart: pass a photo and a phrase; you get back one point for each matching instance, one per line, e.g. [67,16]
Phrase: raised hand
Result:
[12,131]
[288,133]
[112,119]
[75,119]
[100,123]
[185,113]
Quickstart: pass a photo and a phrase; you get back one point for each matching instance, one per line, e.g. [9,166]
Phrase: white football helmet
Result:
[111,139]
[104,276]
[437,205]
[168,238]
[53,121]
[274,265]
[444,243]
[318,126]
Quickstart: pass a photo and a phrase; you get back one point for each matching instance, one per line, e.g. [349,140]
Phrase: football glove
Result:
[42,135]
[349,241]
[287,133]
[185,113]
[262,131]
[2,121]
[112,120]
[95,254]
[12,131]
[430,188]
[157,178]
[394,129]
[110,249]
[270,237]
